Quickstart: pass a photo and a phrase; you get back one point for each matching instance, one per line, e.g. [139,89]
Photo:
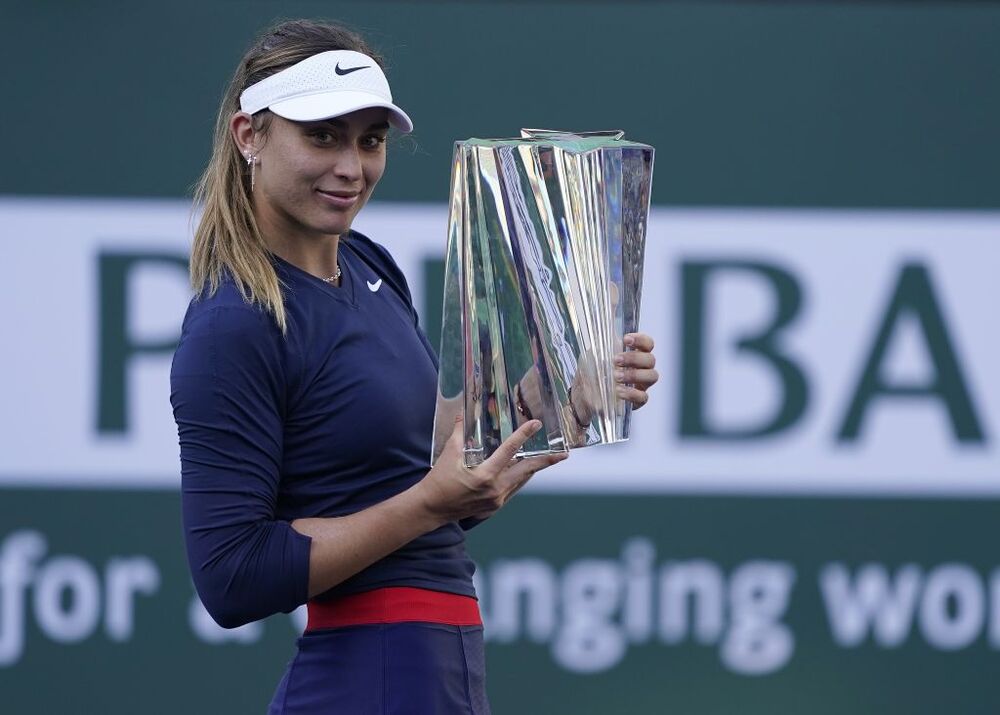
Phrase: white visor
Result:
[323,86]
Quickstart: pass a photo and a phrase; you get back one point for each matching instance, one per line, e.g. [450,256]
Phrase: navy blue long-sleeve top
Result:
[329,419]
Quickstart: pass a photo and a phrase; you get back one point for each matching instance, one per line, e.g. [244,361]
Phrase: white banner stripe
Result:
[844,264]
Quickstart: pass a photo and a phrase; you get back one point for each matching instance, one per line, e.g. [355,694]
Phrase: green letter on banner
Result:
[694,283]
[430,318]
[116,346]
[914,296]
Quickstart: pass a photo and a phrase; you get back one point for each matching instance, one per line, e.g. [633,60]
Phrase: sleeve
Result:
[470,522]
[227,393]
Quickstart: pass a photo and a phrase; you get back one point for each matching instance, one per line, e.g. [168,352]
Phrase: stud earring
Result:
[252,163]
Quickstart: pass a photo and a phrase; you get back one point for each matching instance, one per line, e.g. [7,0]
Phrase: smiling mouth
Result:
[341,194]
[342,199]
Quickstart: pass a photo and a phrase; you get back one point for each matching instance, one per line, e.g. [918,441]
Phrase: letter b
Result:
[695,281]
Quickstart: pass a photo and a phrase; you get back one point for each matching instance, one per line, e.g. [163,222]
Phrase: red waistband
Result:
[394,604]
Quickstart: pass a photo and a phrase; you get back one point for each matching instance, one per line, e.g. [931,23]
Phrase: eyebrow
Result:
[341,124]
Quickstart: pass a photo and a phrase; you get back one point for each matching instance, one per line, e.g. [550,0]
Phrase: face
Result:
[313,177]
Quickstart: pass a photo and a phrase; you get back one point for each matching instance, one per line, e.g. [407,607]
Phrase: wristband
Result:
[519,403]
[572,408]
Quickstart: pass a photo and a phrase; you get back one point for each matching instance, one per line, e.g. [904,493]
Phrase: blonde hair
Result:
[227,239]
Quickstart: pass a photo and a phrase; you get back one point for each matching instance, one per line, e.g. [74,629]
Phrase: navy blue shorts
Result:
[383,669]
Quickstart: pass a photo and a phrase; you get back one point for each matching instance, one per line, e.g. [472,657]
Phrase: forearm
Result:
[342,546]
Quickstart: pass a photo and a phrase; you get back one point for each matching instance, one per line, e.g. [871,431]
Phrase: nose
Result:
[348,166]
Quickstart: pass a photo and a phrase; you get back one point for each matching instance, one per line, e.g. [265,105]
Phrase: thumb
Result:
[508,450]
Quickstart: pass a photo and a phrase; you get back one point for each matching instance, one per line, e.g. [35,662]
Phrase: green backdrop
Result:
[811,104]
[747,103]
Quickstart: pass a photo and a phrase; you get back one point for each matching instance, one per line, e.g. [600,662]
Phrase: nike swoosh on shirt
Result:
[373,287]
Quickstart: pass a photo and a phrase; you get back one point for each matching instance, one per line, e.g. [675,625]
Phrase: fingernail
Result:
[630,341]
[619,359]
[536,425]
[619,374]
[621,391]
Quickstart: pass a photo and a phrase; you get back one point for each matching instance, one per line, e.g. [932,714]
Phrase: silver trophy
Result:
[543,278]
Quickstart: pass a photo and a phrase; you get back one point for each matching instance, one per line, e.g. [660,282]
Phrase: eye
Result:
[372,141]
[322,136]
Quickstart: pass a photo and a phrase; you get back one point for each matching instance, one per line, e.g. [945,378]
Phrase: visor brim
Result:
[327,105]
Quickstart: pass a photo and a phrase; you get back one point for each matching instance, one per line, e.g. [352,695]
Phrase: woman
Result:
[304,400]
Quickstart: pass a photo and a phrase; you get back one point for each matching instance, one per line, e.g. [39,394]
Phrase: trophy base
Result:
[475,457]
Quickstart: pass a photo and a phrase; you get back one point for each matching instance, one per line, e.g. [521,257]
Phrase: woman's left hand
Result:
[635,369]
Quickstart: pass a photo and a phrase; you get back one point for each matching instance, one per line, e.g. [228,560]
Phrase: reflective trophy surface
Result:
[543,279]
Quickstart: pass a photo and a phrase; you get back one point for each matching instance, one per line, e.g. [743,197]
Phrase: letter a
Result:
[914,296]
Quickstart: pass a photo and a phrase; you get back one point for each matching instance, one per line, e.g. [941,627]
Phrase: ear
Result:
[241,127]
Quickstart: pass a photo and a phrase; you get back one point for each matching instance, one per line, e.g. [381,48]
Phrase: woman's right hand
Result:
[452,492]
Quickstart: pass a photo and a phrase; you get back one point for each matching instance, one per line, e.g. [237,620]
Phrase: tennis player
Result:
[304,394]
